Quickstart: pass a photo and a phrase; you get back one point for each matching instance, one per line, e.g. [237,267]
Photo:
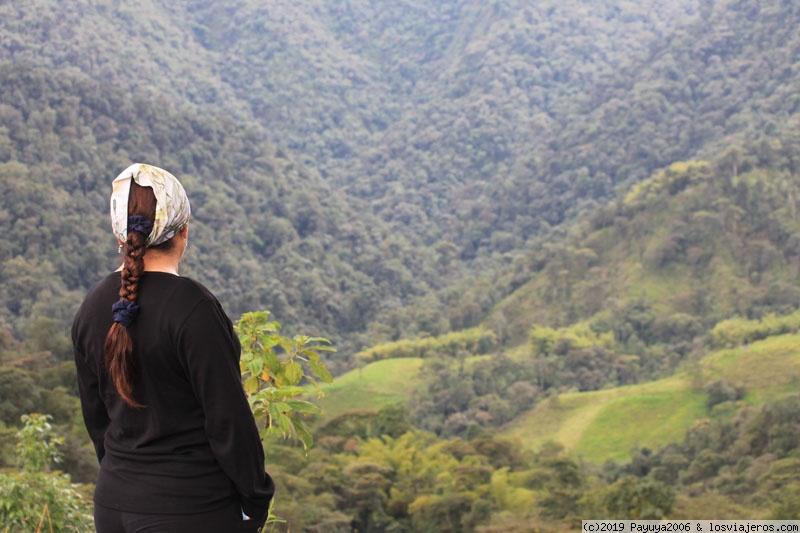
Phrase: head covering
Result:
[172,205]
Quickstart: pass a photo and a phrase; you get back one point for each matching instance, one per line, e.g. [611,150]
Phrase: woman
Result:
[158,373]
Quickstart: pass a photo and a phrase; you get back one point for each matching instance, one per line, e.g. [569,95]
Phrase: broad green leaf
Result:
[251,385]
[285,342]
[269,356]
[270,431]
[287,392]
[320,370]
[302,433]
[255,366]
[302,406]
[278,407]
[323,340]
[294,372]
[268,341]
[319,348]
[285,424]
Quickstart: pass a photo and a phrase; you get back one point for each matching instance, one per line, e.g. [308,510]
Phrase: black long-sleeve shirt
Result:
[194,447]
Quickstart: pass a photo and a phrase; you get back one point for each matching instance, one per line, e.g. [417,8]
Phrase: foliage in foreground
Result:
[273,367]
[34,498]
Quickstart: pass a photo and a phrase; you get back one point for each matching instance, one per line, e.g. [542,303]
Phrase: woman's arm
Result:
[209,350]
[95,415]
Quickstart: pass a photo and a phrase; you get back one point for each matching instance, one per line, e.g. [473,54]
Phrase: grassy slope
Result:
[376,384]
[606,424]
[372,386]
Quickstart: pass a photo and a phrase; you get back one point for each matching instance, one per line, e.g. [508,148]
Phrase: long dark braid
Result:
[118,347]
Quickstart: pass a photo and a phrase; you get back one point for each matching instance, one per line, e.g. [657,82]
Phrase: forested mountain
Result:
[471,129]
[642,288]
[505,115]
[421,107]
[290,241]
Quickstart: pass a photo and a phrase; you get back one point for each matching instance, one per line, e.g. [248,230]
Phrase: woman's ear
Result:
[184,231]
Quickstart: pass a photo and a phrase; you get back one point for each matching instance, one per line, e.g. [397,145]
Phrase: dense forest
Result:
[517,205]
[429,146]
[294,245]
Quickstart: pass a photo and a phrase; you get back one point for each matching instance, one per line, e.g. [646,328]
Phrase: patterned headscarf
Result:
[172,205]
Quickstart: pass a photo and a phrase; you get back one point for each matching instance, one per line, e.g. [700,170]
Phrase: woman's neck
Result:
[155,261]
[159,262]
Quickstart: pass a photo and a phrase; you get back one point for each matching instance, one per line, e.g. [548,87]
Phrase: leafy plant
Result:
[34,497]
[274,368]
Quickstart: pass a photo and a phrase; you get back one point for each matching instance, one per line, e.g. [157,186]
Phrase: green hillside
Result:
[617,335]
[720,432]
[372,386]
[610,424]
[698,239]
[461,134]
[606,424]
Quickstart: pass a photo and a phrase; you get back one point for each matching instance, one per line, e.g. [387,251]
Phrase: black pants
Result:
[225,520]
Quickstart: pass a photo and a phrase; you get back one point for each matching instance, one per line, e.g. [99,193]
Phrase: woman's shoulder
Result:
[192,301]
[98,298]
[193,286]
[181,291]
[103,289]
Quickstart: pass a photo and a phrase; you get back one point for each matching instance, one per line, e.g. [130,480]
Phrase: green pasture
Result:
[605,424]
[608,424]
[371,386]
[761,367]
